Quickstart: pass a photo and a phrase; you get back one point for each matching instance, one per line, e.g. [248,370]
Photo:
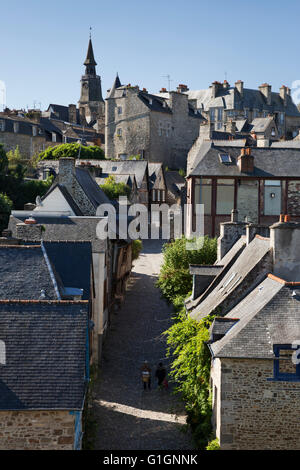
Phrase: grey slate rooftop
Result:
[45,346]
[25,273]
[268,316]
[268,162]
[73,262]
[224,287]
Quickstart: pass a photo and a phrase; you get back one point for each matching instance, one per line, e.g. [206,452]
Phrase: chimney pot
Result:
[281,218]
[287,218]
[30,221]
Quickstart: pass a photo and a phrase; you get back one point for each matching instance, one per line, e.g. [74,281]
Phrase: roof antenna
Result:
[169,81]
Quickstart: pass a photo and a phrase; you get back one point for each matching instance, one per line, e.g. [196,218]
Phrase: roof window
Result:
[225,158]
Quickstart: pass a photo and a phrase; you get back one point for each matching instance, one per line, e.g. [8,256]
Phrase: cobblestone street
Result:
[130,418]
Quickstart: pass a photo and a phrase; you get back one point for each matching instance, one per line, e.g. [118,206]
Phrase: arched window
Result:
[2,353]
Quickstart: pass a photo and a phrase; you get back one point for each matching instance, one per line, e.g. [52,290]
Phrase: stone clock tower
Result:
[91,104]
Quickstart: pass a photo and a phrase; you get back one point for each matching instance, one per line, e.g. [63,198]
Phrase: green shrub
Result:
[174,278]
[3,160]
[5,209]
[213,445]
[92,152]
[136,249]
[114,190]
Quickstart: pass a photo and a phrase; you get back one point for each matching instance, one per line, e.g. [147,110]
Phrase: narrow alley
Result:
[128,417]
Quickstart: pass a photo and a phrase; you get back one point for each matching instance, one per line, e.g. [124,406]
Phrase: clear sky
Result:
[44,44]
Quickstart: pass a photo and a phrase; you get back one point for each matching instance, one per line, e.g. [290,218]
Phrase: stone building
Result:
[261,183]
[44,352]
[157,128]
[18,131]
[222,104]
[254,344]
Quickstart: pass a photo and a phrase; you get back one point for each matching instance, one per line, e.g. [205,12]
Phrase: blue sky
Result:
[43,45]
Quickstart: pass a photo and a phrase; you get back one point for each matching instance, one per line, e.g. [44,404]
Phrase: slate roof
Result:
[252,99]
[174,181]
[25,125]
[268,316]
[251,255]
[90,59]
[73,263]
[227,261]
[24,273]
[156,176]
[261,124]
[91,188]
[268,162]
[138,168]
[45,355]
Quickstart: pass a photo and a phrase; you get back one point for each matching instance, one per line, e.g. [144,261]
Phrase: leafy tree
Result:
[5,209]
[182,172]
[136,248]
[93,152]
[113,189]
[15,163]
[174,278]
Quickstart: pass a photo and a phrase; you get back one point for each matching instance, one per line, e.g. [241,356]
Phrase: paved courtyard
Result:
[130,418]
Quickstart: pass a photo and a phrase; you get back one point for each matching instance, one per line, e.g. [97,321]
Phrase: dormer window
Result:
[2,353]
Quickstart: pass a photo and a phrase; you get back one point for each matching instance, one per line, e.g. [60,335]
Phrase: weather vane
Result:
[90,32]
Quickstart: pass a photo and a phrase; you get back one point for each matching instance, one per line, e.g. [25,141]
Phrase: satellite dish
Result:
[38,201]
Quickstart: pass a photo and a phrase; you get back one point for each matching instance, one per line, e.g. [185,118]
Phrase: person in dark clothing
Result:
[160,374]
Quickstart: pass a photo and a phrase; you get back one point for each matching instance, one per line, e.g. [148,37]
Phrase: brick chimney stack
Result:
[182,88]
[246,161]
[215,87]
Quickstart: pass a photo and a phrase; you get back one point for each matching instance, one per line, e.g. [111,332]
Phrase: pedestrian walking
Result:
[160,374]
[146,375]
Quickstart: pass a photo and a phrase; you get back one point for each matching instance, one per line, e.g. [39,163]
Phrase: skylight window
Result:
[225,158]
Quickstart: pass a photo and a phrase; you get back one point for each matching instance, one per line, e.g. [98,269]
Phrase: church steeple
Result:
[90,62]
[91,102]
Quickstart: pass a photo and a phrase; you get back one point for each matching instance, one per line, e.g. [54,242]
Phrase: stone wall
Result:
[36,430]
[250,412]
[293,200]
[28,145]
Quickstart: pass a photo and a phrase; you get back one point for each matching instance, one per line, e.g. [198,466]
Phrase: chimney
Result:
[182,88]
[226,85]
[283,94]
[246,161]
[29,206]
[66,173]
[256,229]
[265,89]
[230,232]
[163,90]
[215,86]
[206,130]
[285,242]
[239,85]
[29,231]
[72,113]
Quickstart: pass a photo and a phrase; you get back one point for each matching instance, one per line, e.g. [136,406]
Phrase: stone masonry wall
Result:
[293,200]
[36,430]
[253,413]
[28,145]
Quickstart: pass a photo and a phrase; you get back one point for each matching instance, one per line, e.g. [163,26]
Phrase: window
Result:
[163,196]
[255,113]
[246,113]
[220,114]
[53,137]
[273,131]
[272,197]
[219,125]
[203,191]
[16,127]
[212,114]
[119,109]
[2,126]
[225,196]
[153,195]
[34,131]
[286,363]
[225,158]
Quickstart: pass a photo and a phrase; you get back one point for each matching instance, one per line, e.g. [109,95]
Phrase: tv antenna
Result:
[169,80]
